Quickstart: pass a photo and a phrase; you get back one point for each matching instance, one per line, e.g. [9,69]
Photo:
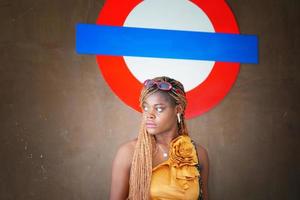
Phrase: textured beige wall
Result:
[61,124]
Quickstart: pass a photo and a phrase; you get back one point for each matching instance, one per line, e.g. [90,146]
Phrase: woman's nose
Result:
[150,114]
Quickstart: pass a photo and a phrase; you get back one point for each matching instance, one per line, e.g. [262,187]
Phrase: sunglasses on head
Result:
[162,85]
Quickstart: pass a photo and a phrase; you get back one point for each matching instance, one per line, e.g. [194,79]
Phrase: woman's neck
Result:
[165,138]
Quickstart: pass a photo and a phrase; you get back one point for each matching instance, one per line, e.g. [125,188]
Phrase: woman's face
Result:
[159,113]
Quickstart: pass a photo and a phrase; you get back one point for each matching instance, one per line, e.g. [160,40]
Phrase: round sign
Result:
[206,82]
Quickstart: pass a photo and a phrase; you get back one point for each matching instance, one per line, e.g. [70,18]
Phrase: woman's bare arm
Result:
[204,164]
[120,172]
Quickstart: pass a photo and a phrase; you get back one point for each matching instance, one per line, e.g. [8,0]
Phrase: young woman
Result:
[163,162]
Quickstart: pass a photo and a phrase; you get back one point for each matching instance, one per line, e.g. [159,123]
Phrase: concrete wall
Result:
[61,125]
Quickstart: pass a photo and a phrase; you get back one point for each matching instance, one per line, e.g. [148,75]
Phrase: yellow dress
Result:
[178,177]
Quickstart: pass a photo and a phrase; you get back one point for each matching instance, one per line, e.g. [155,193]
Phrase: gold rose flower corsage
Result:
[183,152]
[183,158]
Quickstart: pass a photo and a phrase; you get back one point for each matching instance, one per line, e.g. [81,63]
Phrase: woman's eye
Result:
[158,109]
[145,108]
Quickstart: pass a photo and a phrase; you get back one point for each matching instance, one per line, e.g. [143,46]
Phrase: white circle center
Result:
[171,15]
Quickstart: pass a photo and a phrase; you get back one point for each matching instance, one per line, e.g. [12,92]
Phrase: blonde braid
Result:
[141,167]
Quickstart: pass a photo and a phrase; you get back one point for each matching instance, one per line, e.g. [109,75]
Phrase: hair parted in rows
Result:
[141,166]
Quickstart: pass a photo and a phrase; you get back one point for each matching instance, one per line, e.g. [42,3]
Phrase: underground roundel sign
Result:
[196,42]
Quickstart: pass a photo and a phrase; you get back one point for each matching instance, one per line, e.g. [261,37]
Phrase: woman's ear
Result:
[179,109]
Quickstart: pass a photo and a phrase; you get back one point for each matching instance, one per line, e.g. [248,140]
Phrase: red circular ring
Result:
[200,99]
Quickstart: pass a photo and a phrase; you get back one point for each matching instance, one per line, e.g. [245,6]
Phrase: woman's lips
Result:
[150,125]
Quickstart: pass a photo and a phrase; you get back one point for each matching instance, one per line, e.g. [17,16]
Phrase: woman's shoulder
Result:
[200,149]
[202,153]
[125,152]
[128,146]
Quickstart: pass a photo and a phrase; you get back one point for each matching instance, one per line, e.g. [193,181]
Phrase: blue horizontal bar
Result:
[159,43]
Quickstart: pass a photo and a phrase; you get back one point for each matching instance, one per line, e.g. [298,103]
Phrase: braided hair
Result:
[141,166]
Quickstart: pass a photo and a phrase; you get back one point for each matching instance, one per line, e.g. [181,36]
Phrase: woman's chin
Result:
[151,131]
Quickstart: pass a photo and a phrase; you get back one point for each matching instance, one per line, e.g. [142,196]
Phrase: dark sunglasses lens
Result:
[149,83]
[164,86]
